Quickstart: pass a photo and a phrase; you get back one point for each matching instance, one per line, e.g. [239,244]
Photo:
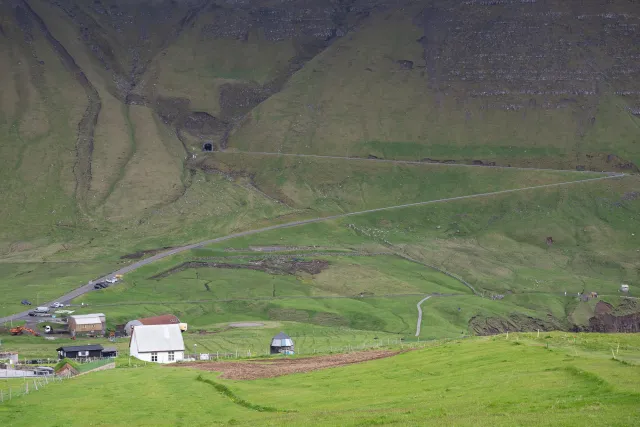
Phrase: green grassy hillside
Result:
[523,380]
[496,243]
[105,108]
[499,242]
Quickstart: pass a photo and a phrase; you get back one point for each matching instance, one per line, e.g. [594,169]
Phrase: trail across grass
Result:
[419,322]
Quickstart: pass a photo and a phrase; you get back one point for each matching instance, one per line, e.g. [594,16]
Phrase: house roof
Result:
[282,340]
[157,338]
[80,316]
[282,336]
[165,319]
[81,348]
[87,321]
[109,350]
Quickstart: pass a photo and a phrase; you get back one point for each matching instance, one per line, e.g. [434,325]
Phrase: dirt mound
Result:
[256,369]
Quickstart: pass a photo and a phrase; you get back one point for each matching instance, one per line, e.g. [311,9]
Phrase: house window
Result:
[83,353]
[154,357]
[172,356]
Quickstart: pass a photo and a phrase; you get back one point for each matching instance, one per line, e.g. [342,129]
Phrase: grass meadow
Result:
[522,379]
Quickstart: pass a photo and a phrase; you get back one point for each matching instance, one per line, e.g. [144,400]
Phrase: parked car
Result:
[100,285]
[26,302]
[112,280]
[57,305]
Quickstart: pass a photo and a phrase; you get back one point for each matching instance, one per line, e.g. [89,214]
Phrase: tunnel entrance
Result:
[207,146]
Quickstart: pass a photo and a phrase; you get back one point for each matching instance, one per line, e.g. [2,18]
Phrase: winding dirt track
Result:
[88,287]
[419,324]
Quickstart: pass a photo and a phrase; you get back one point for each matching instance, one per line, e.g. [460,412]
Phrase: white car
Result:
[111,280]
[57,305]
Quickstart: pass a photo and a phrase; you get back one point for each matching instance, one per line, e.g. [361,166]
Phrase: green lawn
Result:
[556,379]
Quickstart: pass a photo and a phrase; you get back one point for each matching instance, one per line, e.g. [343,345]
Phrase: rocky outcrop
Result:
[515,322]
[623,318]
[610,323]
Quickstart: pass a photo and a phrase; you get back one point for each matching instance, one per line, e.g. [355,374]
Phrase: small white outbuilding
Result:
[624,288]
[157,343]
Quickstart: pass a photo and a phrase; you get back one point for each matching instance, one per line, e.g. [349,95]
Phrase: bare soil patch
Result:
[270,368]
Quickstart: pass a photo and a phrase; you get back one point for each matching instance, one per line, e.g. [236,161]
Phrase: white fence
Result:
[14,390]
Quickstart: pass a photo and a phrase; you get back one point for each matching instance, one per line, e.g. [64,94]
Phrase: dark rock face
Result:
[480,325]
[610,323]
[624,318]
[499,52]
[201,123]
[603,308]
[238,99]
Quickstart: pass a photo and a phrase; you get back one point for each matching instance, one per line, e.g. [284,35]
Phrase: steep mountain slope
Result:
[548,85]
[106,107]
[523,83]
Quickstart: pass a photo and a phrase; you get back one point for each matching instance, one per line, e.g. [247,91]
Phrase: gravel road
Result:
[419,324]
[89,287]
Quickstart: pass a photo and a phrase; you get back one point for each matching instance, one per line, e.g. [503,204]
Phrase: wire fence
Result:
[14,390]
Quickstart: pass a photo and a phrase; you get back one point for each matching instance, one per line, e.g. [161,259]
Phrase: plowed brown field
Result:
[269,368]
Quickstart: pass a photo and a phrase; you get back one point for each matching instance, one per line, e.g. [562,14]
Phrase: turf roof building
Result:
[157,343]
[281,344]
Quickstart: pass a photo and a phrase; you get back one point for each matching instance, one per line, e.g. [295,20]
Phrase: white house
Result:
[157,343]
